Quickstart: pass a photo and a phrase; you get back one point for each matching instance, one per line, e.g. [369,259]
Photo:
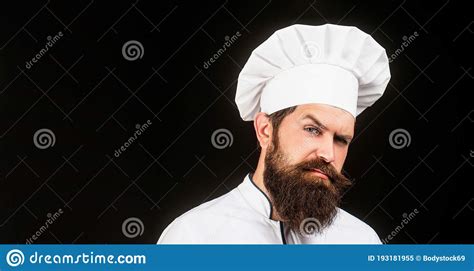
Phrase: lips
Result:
[318,173]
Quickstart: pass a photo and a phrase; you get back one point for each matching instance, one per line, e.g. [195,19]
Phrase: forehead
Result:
[324,109]
[329,116]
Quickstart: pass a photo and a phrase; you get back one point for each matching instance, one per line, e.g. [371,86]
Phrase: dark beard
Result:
[306,202]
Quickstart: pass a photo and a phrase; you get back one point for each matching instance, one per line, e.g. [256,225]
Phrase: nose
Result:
[326,150]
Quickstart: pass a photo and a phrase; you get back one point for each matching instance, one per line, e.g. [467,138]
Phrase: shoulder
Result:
[195,224]
[353,229]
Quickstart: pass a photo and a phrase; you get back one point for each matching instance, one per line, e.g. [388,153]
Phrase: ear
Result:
[263,129]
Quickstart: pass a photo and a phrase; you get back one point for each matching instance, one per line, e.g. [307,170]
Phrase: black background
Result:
[92,98]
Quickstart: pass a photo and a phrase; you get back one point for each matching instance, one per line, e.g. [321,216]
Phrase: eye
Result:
[342,141]
[313,130]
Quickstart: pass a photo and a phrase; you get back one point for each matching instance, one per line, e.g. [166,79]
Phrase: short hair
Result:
[275,119]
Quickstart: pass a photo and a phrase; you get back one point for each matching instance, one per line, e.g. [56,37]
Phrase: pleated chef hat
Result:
[301,64]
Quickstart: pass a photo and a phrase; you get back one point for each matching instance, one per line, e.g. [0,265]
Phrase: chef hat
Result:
[301,64]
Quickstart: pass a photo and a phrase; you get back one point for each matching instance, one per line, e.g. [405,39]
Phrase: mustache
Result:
[321,165]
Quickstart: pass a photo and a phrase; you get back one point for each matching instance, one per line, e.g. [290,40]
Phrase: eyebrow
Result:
[320,125]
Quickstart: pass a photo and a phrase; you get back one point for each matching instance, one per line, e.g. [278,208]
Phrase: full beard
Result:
[308,203]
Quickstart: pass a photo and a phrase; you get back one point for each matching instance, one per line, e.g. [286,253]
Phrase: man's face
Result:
[303,165]
[316,130]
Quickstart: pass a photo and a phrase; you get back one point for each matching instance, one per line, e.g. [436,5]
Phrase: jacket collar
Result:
[255,197]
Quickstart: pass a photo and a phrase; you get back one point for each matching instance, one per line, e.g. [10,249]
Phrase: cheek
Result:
[297,145]
[340,157]
[293,144]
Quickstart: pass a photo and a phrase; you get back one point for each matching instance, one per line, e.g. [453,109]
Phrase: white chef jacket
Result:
[243,216]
